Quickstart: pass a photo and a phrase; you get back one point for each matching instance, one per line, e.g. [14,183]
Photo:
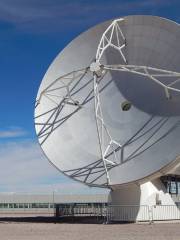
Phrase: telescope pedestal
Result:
[143,202]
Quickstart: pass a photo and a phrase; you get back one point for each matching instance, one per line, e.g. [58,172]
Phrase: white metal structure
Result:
[130,60]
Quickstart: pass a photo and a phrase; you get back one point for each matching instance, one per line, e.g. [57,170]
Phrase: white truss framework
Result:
[157,75]
[63,82]
[60,92]
[109,148]
[112,37]
[107,145]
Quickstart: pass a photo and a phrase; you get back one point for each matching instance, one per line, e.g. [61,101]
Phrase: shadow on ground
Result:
[40,219]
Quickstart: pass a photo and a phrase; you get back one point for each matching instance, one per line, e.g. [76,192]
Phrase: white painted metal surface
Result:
[81,125]
[78,117]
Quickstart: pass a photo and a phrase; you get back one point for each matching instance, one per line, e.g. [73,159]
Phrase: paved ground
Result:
[62,231]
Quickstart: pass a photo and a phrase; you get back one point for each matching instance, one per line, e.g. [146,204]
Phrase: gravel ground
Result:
[50,231]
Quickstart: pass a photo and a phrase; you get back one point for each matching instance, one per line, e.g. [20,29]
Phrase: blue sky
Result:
[33,32]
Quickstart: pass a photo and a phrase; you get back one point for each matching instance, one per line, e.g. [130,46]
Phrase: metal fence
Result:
[165,212]
[81,210]
[110,213]
[127,213]
[142,213]
[121,213]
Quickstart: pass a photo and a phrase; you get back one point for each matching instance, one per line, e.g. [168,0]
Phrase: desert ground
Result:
[73,231]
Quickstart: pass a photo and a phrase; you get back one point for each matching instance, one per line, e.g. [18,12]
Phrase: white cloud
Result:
[67,186]
[23,162]
[12,132]
[25,169]
[46,15]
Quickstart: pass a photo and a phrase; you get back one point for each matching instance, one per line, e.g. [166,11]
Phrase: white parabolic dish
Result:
[79,117]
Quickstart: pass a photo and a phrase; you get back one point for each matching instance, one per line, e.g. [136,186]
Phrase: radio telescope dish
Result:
[108,108]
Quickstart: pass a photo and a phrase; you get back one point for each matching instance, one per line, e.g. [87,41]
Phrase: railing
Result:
[127,213]
[165,212]
[80,210]
[110,213]
[142,213]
